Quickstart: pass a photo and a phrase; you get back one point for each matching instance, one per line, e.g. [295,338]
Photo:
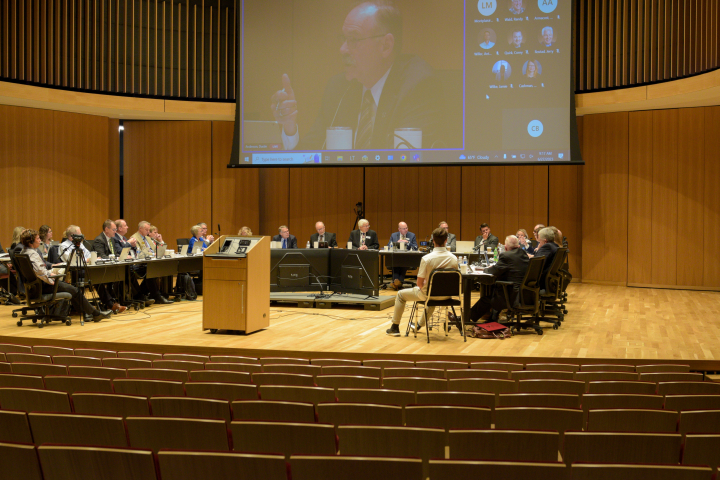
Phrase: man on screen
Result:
[547,34]
[517,39]
[322,236]
[488,43]
[380,91]
[517,7]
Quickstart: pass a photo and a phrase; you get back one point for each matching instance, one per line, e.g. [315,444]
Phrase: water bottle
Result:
[497,255]
[308,244]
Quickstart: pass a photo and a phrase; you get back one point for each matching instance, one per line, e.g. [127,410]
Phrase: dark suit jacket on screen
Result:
[329,238]
[548,251]
[371,239]
[291,241]
[492,241]
[511,267]
[411,98]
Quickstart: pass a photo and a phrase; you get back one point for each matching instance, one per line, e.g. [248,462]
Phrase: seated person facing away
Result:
[363,238]
[546,248]
[245,232]
[286,240]
[31,241]
[147,249]
[105,245]
[17,231]
[408,238]
[511,267]
[322,236]
[486,239]
[439,258]
[524,242]
[451,236]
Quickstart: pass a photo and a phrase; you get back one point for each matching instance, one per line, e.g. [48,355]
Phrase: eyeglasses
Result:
[353,42]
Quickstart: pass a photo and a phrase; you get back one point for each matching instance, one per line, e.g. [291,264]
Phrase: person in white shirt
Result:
[65,246]
[439,258]
[487,43]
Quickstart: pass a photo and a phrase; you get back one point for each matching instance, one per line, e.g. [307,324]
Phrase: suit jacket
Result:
[120,243]
[492,241]
[291,241]
[141,244]
[412,241]
[101,246]
[329,238]
[371,239]
[450,242]
[411,98]
[548,251]
[511,267]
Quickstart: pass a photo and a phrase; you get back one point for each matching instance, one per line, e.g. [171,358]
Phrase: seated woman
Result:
[524,242]
[46,235]
[197,231]
[245,232]
[31,241]
[17,231]
[531,73]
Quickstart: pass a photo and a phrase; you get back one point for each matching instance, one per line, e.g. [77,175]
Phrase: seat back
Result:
[223,391]
[346,381]
[620,447]
[359,414]
[110,404]
[447,417]
[94,462]
[177,433]
[284,438]
[32,400]
[639,472]
[184,465]
[78,384]
[553,281]
[286,393]
[632,420]
[33,284]
[68,360]
[67,429]
[376,396]
[12,380]
[353,468]
[700,421]
[531,285]
[54,254]
[187,407]
[148,388]
[158,374]
[222,376]
[444,282]
[20,461]
[268,410]
[416,384]
[515,445]
[692,402]
[14,427]
[454,469]
[702,450]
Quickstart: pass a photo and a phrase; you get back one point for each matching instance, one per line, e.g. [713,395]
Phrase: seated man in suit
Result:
[122,240]
[439,258]
[408,238]
[511,267]
[286,240]
[147,249]
[486,239]
[322,236]
[546,248]
[104,244]
[451,236]
[363,238]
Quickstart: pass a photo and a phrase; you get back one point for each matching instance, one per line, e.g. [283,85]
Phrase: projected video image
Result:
[343,82]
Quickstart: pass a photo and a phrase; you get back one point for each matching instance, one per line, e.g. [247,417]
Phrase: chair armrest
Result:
[53,277]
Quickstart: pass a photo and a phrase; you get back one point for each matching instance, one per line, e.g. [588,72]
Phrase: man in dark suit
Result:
[104,245]
[511,267]
[486,239]
[380,91]
[451,236]
[363,238]
[546,248]
[408,238]
[322,236]
[286,240]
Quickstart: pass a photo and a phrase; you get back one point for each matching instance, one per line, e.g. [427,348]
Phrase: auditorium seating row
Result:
[95,357]
[59,462]
[376,407]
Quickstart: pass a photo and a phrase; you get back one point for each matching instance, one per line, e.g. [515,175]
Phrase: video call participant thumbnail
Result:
[547,36]
[382,89]
[487,40]
[516,7]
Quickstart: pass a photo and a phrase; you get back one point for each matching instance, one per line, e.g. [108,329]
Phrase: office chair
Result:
[550,300]
[34,297]
[443,282]
[530,284]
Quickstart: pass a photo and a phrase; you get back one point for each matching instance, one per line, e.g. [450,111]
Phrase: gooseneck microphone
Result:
[332,123]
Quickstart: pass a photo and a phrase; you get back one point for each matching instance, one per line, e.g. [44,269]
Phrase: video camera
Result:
[77,240]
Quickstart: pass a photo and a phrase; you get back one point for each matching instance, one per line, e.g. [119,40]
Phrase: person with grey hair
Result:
[284,237]
[511,267]
[546,248]
[146,246]
[65,246]
[322,236]
[547,35]
[370,47]
[363,238]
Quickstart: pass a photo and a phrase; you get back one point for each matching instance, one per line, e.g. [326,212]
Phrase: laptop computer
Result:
[197,248]
[124,253]
[464,246]
[161,251]
[183,249]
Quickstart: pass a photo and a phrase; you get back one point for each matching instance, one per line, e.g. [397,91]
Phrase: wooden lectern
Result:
[236,284]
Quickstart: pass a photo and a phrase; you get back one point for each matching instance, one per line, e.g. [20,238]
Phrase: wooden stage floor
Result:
[605,323]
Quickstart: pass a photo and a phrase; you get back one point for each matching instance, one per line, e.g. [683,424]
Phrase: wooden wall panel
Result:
[640,194]
[274,184]
[711,207]
[174,162]
[114,167]
[615,197]
[691,193]
[466,230]
[349,192]
[565,210]
[235,191]
[665,197]
[540,195]
[592,224]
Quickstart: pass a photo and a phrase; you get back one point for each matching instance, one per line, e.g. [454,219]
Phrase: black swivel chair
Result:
[181,242]
[35,299]
[550,300]
[443,282]
[54,254]
[519,309]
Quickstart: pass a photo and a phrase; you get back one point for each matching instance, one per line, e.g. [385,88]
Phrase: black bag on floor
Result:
[186,284]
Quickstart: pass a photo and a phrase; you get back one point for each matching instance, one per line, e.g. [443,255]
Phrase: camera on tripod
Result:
[77,240]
